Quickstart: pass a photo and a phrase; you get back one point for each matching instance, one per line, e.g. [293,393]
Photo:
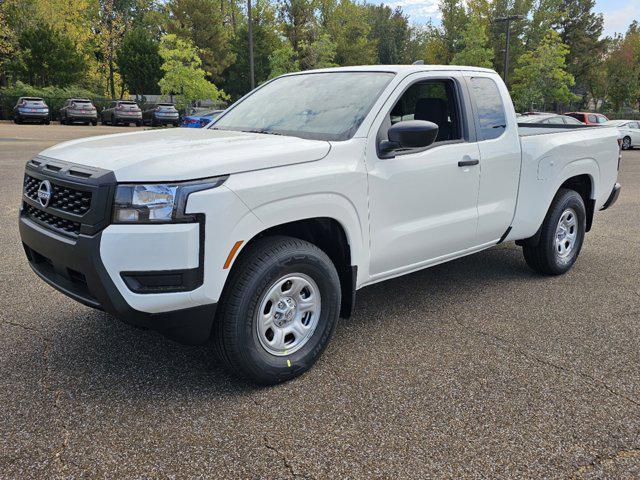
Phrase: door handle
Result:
[468,162]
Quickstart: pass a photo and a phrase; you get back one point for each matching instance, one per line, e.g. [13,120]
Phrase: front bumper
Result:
[75,267]
[613,197]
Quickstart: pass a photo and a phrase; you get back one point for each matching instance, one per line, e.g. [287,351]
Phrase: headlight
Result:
[157,202]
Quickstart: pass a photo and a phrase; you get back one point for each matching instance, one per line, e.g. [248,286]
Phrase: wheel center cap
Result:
[285,311]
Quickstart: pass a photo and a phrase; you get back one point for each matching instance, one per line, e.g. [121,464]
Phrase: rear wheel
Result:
[279,310]
[626,143]
[561,236]
[94,122]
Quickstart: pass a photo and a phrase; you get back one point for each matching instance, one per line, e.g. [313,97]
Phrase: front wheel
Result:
[626,143]
[561,236]
[279,310]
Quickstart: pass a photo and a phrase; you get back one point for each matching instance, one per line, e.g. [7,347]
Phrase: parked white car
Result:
[549,119]
[629,132]
[258,230]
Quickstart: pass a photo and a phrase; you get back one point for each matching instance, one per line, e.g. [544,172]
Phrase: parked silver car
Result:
[121,112]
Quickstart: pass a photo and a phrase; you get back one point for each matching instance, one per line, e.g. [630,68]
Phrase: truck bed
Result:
[553,152]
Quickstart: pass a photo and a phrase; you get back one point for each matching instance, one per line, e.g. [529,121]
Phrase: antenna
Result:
[418,62]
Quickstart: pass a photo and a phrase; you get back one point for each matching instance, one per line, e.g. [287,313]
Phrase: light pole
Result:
[508,19]
[251,65]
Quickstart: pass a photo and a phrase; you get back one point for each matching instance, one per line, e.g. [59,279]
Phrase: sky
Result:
[618,14]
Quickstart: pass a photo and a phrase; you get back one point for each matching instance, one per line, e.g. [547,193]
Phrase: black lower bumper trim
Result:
[613,197]
[74,267]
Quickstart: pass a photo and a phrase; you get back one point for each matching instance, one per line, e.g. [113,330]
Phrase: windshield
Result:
[322,106]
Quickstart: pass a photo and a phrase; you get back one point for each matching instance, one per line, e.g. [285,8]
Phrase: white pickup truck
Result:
[256,231]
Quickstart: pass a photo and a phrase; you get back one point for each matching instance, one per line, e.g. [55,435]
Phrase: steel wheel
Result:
[566,233]
[288,314]
[626,143]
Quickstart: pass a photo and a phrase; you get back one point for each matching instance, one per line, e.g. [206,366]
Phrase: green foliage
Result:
[349,29]
[48,57]
[454,19]
[183,73]
[283,60]
[623,70]
[475,51]
[54,96]
[541,79]
[139,62]
[392,33]
[321,53]
[202,22]
[266,40]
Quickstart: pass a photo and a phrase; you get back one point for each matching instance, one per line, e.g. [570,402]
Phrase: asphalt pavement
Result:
[473,369]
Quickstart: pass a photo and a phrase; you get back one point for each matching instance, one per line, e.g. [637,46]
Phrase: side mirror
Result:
[410,134]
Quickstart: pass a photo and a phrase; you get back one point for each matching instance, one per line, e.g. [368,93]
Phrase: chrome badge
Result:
[44,193]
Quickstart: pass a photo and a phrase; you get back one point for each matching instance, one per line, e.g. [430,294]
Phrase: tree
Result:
[299,20]
[581,30]
[266,40]
[321,53]
[202,22]
[283,60]
[139,62]
[540,78]
[48,57]
[623,70]
[475,51]
[453,21]
[183,73]
[392,34]
[349,28]
[7,46]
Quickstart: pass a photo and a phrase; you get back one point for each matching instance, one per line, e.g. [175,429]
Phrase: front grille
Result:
[52,221]
[66,199]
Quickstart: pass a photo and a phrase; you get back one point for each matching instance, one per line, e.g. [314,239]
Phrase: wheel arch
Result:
[328,234]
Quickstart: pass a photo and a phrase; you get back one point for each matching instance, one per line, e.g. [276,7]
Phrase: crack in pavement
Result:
[502,343]
[288,465]
[602,461]
[45,383]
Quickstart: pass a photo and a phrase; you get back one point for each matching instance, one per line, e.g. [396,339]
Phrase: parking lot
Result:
[477,368]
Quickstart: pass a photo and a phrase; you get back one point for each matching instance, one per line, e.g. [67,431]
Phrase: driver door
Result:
[423,203]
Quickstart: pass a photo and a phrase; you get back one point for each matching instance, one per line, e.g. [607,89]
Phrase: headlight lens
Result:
[157,203]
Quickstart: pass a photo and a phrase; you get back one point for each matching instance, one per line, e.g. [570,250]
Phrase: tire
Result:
[626,143]
[17,121]
[46,122]
[554,255]
[139,124]
[62,121]
[271,265]
[94,122]
[176,124]
[154,123]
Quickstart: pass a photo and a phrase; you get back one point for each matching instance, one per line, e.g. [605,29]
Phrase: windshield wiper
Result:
[266,132]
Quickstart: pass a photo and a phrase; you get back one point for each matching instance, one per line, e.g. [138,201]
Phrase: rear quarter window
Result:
[490,108]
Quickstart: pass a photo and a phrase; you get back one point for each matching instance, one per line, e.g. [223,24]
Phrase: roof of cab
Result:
[399,69]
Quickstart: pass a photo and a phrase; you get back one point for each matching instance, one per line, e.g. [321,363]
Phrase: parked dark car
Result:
[81,110]
[199,120]
[121,112]
[161,114]
[31,109]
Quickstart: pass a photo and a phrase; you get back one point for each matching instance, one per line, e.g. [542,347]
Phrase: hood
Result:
[185,154]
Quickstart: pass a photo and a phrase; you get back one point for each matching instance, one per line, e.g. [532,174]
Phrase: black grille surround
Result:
[81,196]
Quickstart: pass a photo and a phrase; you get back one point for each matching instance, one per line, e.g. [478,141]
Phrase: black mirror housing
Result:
[413,134]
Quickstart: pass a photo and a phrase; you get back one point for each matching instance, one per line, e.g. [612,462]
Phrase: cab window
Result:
[593,119]
[491,114]
[431,100]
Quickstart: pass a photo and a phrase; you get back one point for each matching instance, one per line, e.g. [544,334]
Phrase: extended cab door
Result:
[500,155]
[423,202]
